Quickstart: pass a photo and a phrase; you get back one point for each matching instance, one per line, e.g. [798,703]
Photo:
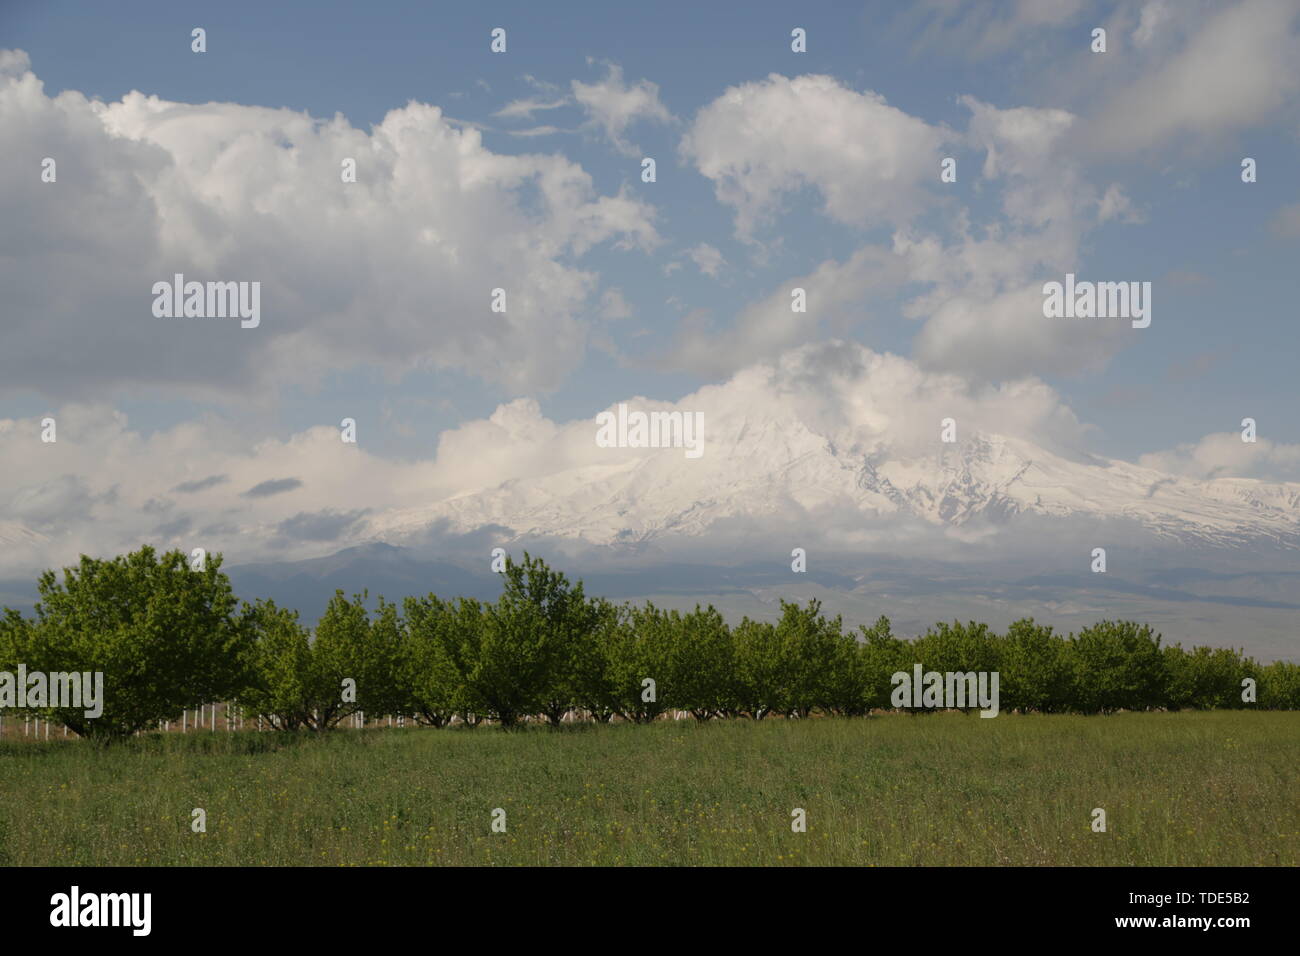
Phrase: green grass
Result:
[1215,788]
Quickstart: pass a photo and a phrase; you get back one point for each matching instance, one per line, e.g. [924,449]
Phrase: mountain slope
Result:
[770,468]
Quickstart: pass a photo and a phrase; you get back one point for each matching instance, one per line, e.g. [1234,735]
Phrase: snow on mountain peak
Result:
[772,467]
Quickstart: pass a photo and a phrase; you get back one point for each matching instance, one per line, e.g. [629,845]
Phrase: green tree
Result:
[277,690]
[641,648]
[807,654]
[431,682]
[882,655]
[700,660]
[847,687]
[462,641]
[526,649]
[1034,674]
[1279,686]
[1203,678]
[759,683]
[164,636]
[344,648]
[596,682]
[957,648]
[1116,665]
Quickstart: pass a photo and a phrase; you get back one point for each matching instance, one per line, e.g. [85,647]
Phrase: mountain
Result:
[378,568]
[762,470]
[993,528]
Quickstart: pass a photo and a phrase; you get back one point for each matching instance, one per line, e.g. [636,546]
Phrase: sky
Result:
[523,170]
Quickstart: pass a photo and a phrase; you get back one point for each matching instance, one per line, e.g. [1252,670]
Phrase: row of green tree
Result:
[168,638]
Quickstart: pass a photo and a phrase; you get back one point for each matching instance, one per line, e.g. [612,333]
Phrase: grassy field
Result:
[943,789]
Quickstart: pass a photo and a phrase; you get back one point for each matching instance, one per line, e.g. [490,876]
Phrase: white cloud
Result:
[613,306]
[1235,69]
[1115,205]
[982,29]
[1022,149]
[1225,455]
[1005,335]
[1153,15]
[14,63]
[394,271]
[525,108]
[983,311]
[707,259]
[1191,70]
[981,299]
[103,487]
[613,106]
[534,131]
[837,293]
[759,141]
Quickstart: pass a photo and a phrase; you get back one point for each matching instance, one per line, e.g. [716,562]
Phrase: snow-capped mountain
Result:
[764,468]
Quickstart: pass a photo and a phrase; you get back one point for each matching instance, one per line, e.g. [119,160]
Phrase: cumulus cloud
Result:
[1225,455]
[1190,71]
[385,272]
[1023,151]
[101,488]
[1234,68]
[838,296]
[980,298]
[983,310]
[869,162]
[1005,335]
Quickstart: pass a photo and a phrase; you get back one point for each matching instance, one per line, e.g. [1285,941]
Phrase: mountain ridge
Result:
[993,479]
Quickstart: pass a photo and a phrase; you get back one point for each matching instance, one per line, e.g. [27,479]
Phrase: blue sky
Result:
[1221,254]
